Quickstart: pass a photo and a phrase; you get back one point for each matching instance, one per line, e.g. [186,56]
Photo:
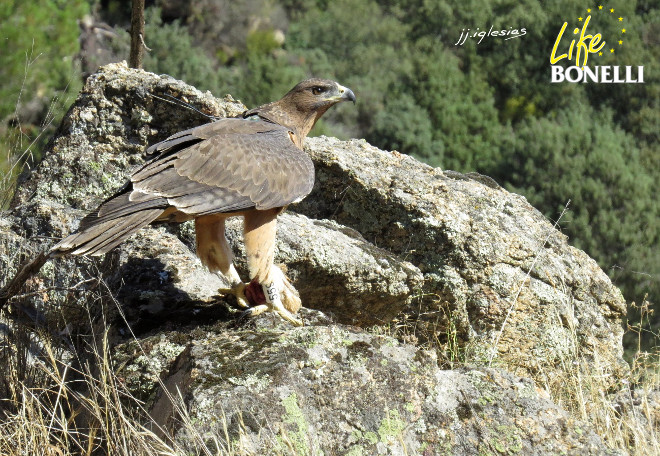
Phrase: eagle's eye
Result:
[318,90]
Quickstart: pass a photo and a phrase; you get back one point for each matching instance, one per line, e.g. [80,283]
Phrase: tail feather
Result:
[108,226]
[126,202]
[103,237]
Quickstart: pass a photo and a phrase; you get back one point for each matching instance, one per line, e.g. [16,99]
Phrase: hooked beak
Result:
[346,94]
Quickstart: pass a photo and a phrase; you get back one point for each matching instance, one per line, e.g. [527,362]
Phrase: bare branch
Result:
[137,35]
[24,273]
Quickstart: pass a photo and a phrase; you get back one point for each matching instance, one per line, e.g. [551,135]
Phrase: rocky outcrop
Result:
[338,390]
[382,238]
[494,268]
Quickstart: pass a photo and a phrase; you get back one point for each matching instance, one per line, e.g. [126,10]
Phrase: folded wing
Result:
[225,166]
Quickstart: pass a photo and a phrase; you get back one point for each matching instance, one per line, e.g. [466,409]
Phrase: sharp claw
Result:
[250,313]
[261,308]
[263,297]
[253,311]
[238,291]
[272,305]
[274,301]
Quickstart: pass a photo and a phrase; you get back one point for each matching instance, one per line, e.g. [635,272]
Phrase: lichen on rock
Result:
[382,238]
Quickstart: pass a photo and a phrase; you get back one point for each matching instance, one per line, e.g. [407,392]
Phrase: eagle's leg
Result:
[279,295]
[214,252]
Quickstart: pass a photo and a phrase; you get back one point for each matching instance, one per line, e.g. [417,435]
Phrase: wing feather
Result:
[117,232]
[228,165]
[104,234]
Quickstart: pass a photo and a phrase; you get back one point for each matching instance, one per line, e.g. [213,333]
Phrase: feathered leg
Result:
[279,294]
[214,252]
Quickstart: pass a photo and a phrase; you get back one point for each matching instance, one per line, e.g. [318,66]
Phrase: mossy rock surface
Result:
[339,390]
[451,257]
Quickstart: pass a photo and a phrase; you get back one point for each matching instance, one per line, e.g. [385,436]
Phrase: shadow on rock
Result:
[151,299]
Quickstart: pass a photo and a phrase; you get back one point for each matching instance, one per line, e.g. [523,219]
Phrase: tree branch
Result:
[137,35]
[24,273]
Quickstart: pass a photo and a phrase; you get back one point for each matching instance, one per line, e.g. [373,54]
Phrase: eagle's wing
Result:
[225,166]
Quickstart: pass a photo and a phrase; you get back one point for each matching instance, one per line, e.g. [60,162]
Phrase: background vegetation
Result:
[38,47]
[485,107]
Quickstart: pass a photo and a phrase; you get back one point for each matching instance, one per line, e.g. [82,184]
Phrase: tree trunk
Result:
[137,34]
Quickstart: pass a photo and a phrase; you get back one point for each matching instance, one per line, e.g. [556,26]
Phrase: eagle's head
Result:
[317,94]
[303,105]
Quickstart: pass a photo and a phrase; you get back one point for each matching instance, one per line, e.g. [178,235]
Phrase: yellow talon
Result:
[238,291]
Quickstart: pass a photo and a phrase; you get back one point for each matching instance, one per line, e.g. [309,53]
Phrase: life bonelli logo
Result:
[585,41]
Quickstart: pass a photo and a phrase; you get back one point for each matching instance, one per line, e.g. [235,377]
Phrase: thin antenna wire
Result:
[183,104]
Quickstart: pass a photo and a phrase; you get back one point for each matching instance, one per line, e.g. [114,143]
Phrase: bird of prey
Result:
[251,166]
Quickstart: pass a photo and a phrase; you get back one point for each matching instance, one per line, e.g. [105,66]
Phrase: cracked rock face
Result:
[382,237]
[337,390]
[494,268]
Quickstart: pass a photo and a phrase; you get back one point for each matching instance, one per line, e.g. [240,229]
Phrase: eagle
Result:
[252,166]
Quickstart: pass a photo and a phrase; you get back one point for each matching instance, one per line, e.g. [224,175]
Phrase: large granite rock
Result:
[382,238]
[338,390]
[497,274]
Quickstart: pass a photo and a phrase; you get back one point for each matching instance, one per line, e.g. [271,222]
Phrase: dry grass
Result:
[51,407]
[624,412]
[59,400]
[629,418]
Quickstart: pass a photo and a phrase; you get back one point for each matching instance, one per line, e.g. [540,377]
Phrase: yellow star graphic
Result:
[623,30]
[612,50]
[620,19]
[620,42]
[600,6]
[588,10]
[580,19]
[600,53]
[612,10]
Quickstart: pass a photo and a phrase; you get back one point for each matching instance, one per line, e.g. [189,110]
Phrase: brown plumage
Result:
[252,166]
